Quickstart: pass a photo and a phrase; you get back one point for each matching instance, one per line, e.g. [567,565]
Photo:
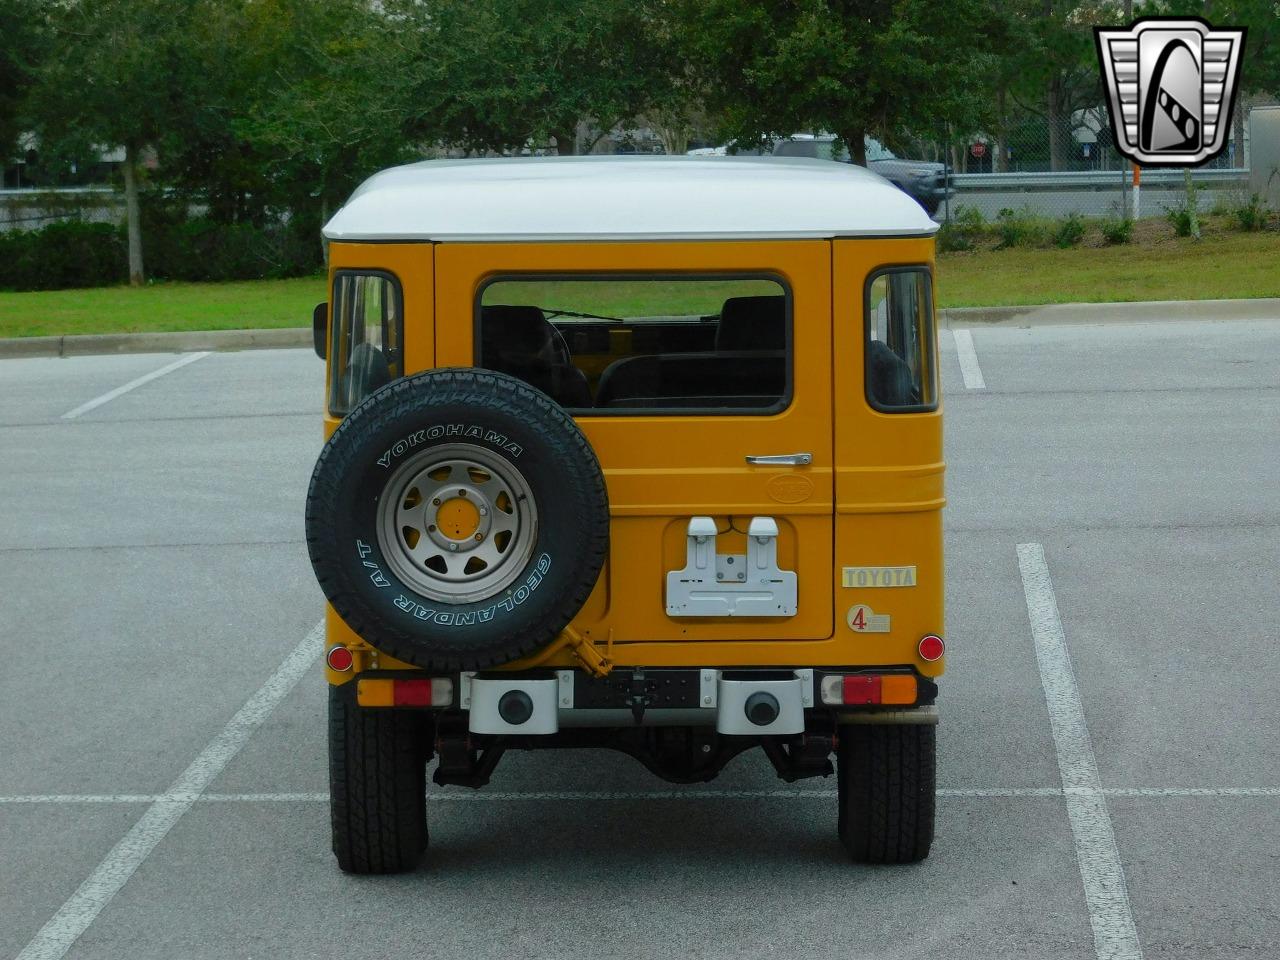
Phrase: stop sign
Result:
[979,149]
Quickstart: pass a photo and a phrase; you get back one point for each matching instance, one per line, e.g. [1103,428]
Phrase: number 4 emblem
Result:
[862,619]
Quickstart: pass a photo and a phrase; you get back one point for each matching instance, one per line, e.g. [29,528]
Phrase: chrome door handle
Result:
[782,460]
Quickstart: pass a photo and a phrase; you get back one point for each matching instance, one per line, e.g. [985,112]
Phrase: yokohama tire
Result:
[457,519]
[885,776]
[377,784]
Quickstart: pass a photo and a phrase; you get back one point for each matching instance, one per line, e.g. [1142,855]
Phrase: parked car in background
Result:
[923,180]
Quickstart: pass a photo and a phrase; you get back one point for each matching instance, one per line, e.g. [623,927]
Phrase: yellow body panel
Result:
[871,501]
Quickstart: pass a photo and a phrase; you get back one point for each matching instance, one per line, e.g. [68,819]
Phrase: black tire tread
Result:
[886,784]
[377,785]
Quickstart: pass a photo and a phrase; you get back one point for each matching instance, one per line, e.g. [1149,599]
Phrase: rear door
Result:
[680,361]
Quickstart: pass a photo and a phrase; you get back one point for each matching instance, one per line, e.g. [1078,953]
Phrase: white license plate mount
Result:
[747,584]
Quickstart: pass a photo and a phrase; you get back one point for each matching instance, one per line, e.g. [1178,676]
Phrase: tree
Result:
[1055,67]
[1259,74]
[22,27]
[326,95]
[499,74]
[850,67]
[116,75]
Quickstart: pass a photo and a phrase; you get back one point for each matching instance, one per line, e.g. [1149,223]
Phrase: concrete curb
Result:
[1147,311]
[184,342]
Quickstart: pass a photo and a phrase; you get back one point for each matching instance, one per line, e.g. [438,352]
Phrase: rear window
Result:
[901,374]
[642,344]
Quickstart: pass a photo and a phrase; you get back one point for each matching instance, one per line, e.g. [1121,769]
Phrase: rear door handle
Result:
[782,460]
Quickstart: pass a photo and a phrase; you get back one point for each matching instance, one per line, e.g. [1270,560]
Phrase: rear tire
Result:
[885,776]
[377,784]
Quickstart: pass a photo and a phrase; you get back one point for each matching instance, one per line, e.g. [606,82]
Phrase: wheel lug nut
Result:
[436,502]
[479,537]
[453,546]
[431,529]
[484,512]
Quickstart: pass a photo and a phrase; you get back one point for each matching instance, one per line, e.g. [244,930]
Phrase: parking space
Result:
[98,704]
[48,849]
[1171,632]
[40,389]
[575,879]
[1202,873]
[156,577]
[255,383]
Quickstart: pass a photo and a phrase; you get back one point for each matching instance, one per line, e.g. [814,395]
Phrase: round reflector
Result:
[339,659]
[931,648]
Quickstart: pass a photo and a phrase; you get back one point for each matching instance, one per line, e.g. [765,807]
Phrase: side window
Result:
[364,336]
[901,369]
[640,344]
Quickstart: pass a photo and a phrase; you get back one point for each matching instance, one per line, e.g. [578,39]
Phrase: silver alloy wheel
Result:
[457,523]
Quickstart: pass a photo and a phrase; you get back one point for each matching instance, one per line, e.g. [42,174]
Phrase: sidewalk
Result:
[1149,311]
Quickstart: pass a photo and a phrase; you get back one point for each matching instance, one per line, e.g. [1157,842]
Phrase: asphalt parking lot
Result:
[1109,759]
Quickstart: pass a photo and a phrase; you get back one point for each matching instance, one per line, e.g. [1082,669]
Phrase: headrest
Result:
[515,331]
[753,323]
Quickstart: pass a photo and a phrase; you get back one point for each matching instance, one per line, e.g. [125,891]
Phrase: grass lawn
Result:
[1222,266]
[623,298]
[1159,267]
[161,306]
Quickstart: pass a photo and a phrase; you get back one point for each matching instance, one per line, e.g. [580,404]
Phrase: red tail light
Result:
[863,689]
[413,693]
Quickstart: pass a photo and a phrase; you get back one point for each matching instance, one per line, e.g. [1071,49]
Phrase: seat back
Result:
[735,378]
[752,323]
[521,342]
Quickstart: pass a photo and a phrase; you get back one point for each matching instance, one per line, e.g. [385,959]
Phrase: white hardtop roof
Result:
[626,198]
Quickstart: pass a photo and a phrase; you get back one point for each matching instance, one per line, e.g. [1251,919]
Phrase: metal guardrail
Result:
[30,192]
[1095,179]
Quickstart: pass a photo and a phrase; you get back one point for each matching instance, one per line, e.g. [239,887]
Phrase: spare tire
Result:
[457,519]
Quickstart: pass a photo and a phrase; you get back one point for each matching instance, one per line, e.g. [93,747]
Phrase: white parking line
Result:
[968,357]
[134,384]
[451,796]
[1192,792]
[1115,937]
[73,918]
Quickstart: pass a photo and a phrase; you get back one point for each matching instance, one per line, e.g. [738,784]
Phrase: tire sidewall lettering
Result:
[451,432]
[409,604]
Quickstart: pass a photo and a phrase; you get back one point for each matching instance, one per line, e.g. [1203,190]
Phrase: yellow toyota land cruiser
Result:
[641,454]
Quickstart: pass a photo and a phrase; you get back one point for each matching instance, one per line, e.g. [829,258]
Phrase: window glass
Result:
[364,337]
[900,341]
[638,344]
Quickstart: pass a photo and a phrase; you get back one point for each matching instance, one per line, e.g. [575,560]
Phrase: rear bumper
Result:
[733,702]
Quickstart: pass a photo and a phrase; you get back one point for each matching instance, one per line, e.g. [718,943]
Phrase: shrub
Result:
[1251,214]
[1184,216]
[1022,228]
[79,254]
[71,253]
[963,230]
[1070,231]
[178,247]
[1223,204]
[1117,230]
[1179,218]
